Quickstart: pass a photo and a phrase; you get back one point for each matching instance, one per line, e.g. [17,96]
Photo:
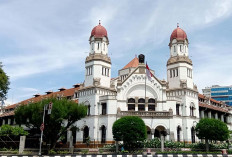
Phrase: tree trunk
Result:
[116,146]
[207,144]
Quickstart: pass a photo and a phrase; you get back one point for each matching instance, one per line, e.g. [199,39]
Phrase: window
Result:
[191,111]
[103,135]
[85,133]
[177,72]
[103,108]
[131,104]
[105,71]
[89,70]
[170,73]
[141,104]
[193,135]
[88,112]
[92,45]
[174,48]
[174,73]
[151,104]
[104,46]
[180,48]
[177,109]
[178,133]
[98,46]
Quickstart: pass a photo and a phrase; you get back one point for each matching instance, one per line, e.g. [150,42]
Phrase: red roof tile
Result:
[133,63]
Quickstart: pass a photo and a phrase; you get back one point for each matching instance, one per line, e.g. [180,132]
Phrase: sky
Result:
[43,44]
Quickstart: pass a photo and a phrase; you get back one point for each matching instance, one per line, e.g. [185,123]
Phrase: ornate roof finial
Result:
[99,22]
[177,25]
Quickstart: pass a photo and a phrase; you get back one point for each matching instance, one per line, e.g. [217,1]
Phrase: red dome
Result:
[178,34]
[99,31]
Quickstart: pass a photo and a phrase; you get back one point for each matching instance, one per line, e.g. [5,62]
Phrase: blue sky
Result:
[43,44]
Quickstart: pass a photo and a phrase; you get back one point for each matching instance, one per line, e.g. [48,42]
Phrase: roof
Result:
[213,107]
[99,31]
[202,104]
[178,34]
[133,63]
[63,93]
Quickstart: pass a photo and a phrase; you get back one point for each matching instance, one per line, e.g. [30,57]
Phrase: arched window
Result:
[141,104]
[180,48]
[193,135]
[191,111]
[131,104]
[177,109]
[178,133]
[85,133]
[174,48]
[103,134]
[151,104]
[88,106]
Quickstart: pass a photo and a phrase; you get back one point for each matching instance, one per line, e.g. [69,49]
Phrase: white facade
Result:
[170,107]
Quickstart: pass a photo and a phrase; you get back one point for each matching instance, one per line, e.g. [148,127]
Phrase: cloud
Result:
[45,37]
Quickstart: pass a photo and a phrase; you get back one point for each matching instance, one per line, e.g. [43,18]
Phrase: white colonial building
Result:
[169,108]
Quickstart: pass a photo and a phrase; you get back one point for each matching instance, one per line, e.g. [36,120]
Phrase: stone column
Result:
[216,115]
[202,114]
[152,133]
[162,143]
[222,117]
[22,144]
[209,114]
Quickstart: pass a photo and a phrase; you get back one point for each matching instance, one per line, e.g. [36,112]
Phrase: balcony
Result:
[148,114]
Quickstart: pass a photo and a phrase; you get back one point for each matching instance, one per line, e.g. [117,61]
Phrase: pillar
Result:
[209,114]
[216,115]
[202,114]
[222,117]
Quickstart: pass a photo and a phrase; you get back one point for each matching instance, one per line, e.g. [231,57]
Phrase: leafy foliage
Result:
[131,130]
[64,114]
[4,83]
[212,129]
[7,130]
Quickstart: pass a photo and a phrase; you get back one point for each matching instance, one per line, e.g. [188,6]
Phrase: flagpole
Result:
[145,83]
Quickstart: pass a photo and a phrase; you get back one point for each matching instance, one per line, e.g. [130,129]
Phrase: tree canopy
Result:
[7,130]
[63,115]
[212,129]
[4,83]
[131,130]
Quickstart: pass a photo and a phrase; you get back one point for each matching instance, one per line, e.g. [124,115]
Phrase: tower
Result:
[179,66]
[97,63]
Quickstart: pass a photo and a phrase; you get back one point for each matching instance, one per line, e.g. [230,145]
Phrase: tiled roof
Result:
[213,107]
[133,63]
[202,104]
[63,93]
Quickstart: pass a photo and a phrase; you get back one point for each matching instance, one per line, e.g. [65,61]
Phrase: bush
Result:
[131,130]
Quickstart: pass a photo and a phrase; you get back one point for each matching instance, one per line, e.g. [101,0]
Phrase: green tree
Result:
[7,130]
[212,129]
[4,83]
[131,130]
[64,114]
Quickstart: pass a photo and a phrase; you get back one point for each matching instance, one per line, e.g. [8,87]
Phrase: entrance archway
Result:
[160,130]
[85,133]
